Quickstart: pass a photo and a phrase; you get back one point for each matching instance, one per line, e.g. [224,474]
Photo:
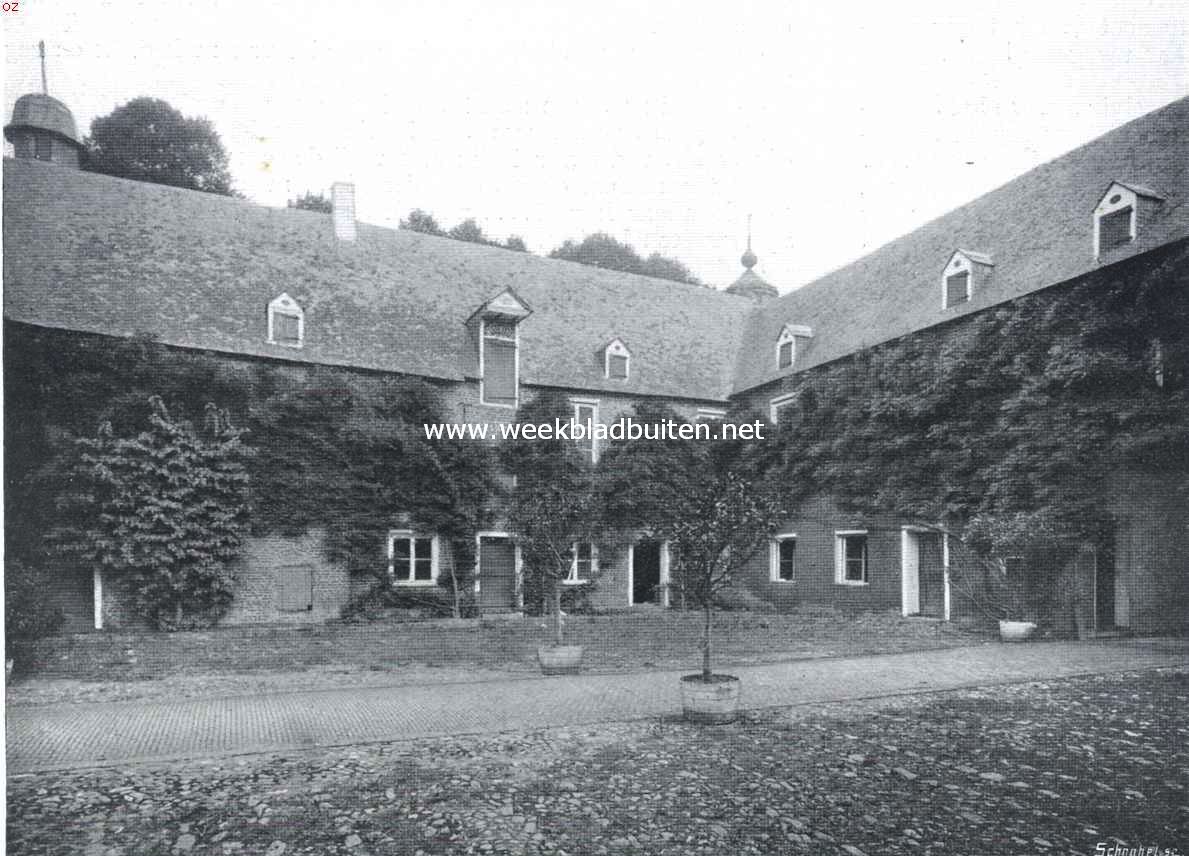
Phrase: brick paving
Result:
[81,735]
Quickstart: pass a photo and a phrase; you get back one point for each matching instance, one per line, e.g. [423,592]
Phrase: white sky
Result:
[838,126]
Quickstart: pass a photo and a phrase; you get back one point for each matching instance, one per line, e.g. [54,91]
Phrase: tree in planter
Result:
[164,511]
[553,505]
[715,503]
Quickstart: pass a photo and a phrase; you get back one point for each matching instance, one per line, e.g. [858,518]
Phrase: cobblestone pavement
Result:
[69,736]
[1081,765]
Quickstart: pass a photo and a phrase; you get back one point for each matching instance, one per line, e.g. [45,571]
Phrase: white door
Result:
[910,573]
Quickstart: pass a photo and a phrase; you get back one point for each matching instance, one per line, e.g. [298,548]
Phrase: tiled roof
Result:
[1038,229]
[92,253]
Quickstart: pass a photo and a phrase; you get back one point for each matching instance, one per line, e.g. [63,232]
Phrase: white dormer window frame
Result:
[1117,198]
[976,266]
[286,306]
[515,340]
[789,334]
[616,348]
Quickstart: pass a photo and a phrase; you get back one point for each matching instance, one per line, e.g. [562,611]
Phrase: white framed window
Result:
[964,272]
[786,350]
[499,362]
[709,414]
[586,414]
[412,558]
[286,322]
[617,361]
[776,404]
[584,563]
[782,558]
[1115,219]
[850,557]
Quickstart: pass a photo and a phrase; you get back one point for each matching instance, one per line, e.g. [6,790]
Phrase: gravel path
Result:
[1058,766]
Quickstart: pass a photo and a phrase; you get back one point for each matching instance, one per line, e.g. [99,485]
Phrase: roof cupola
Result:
[42,128]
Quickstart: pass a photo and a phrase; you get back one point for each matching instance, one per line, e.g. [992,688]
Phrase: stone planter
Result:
[1016,631]
[560,659]
[710,703]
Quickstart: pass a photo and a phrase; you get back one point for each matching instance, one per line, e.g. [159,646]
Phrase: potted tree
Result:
[552,510]
[716,504]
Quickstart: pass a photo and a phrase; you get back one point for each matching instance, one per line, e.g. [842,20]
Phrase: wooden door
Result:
[497,574]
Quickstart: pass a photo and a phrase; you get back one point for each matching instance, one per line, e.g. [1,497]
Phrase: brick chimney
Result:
[342,195]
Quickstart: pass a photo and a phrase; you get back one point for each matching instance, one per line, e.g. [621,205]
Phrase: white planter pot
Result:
[560,659]
[713,703]
[1016,631]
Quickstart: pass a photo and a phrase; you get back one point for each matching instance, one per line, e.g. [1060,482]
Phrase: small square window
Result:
[412,559]
[617,366]
[851,558]
[584,563]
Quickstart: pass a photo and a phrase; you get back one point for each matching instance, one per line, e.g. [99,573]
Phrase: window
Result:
[616,360]
[286,322]
[850,551]
[500,362]
[709,414]
[964,272]
[43,147]
[783,559]
[586,414]
[776,404]
[412,558]
[584,563]
[1013,567]
[784,355]
[1114,229]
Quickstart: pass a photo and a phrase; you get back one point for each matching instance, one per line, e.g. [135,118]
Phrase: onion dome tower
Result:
[42,128]
[750,284]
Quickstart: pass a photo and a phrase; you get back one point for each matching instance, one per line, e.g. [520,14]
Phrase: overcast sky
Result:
[837,126]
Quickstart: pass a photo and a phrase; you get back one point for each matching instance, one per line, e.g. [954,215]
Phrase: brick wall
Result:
[258,590]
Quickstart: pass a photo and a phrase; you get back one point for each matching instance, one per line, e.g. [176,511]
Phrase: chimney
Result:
[342,195]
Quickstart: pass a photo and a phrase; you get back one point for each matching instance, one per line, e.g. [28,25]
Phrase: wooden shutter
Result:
[295,588]
[956,288]
[499,372]
[1114,229]
[285,329]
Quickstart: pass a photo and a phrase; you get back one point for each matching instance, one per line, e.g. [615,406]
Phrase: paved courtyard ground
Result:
[1055,766]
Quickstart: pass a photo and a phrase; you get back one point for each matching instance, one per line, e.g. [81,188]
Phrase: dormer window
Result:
[286,322]
[965,271]
[499,348]
[786,344]
[617,360]
[1119,214]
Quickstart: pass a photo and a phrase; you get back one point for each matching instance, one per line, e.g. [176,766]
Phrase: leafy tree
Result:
[601,250]
[468,230]
[713,502]
[422,221]
[516,244]
[553,505]
[312,202]
[148,140]
[165,511]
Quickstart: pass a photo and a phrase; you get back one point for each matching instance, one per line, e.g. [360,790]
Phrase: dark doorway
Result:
[497,574]
[646,572]
[1104,588]
[932,575]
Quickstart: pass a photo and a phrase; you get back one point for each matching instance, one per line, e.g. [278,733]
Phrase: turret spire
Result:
[45,89]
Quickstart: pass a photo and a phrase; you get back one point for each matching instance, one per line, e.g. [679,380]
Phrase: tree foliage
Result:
[715,503]
[164,512]
[312,202]
[148,140]
[27,617]
[554,503]
[602,250]
[468,230]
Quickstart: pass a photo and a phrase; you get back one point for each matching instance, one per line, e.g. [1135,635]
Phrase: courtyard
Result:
[1046,766]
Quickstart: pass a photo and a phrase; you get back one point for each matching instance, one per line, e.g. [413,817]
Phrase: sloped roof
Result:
[93,253]
[1038,228]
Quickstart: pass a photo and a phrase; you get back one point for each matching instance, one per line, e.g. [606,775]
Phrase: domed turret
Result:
[42,128]
[751,284]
